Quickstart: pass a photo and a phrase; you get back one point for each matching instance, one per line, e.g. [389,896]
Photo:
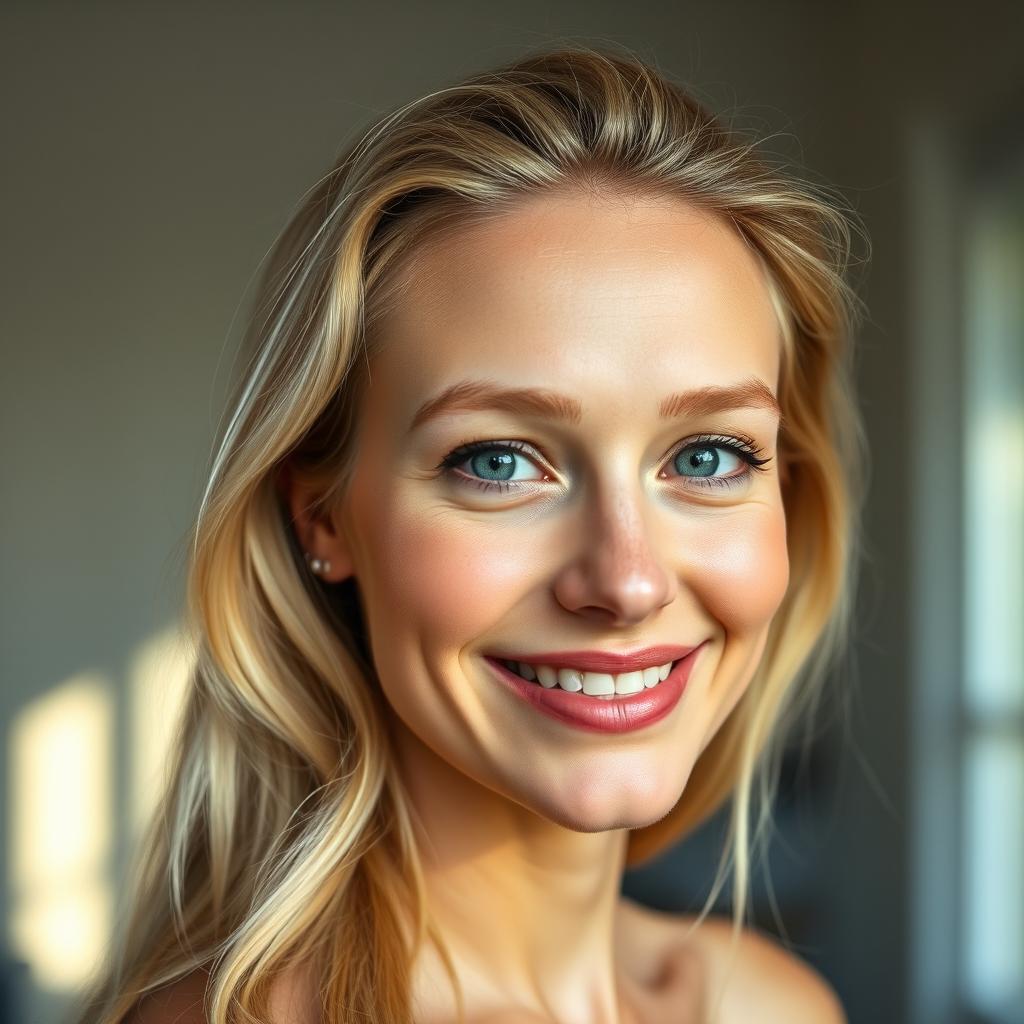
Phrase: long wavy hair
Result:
[285,835]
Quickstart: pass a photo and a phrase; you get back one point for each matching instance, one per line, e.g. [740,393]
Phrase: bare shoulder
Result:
[765,982]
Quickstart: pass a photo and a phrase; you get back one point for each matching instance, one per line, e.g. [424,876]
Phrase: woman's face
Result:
[610,529]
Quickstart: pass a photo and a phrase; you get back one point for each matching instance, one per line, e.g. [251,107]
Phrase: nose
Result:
[616,575]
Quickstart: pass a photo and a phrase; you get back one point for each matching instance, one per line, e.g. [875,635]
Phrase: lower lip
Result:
[620,714]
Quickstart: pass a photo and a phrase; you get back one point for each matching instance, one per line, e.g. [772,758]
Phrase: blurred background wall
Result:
[151,153]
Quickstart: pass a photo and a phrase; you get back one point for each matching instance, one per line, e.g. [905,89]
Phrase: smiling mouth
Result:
[602,685]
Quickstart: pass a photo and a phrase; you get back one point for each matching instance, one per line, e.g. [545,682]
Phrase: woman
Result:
[531,531]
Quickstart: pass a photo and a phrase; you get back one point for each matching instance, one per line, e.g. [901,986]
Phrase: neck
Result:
[528,908]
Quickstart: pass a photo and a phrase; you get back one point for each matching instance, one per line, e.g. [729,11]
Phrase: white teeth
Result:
[570,679]
[597,684]
[594,684]
[547,676]
[629,682]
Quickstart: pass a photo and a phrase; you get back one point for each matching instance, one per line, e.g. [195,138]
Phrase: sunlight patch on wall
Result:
[60,778]
[158,682]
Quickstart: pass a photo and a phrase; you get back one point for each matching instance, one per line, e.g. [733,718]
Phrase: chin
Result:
[592,810]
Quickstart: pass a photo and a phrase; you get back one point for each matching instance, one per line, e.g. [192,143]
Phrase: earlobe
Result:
[324,546]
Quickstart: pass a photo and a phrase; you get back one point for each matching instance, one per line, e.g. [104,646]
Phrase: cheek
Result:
[739,569]
[442,579]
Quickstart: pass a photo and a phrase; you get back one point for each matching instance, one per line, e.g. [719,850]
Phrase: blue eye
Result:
[494,461]
[698,461]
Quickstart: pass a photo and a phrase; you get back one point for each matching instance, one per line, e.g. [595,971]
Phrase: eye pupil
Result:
[495,464]
[705,460]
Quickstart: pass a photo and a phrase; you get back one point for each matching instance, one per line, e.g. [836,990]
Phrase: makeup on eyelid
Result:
[741,447]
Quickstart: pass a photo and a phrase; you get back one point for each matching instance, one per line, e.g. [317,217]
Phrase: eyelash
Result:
[745,447]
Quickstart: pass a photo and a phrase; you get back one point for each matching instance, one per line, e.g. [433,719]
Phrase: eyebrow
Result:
[484,395]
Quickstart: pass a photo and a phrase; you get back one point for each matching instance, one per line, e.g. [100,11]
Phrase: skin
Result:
[616,301]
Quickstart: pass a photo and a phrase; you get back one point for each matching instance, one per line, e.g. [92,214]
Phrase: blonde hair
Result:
[285,834]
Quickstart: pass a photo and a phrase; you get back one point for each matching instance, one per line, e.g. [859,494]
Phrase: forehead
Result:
[604,296]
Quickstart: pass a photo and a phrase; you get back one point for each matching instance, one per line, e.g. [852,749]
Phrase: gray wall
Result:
[151,156]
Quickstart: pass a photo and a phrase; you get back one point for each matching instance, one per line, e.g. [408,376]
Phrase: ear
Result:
[318,535]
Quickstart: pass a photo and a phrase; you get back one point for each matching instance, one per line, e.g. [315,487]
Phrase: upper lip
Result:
[605,661]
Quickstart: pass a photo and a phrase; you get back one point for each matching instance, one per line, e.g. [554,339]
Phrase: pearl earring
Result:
[318,565]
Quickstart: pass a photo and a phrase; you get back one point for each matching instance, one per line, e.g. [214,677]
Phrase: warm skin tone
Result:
[602,542]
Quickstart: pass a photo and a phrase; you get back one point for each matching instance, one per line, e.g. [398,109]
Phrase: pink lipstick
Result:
[603,661]
[622,713]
